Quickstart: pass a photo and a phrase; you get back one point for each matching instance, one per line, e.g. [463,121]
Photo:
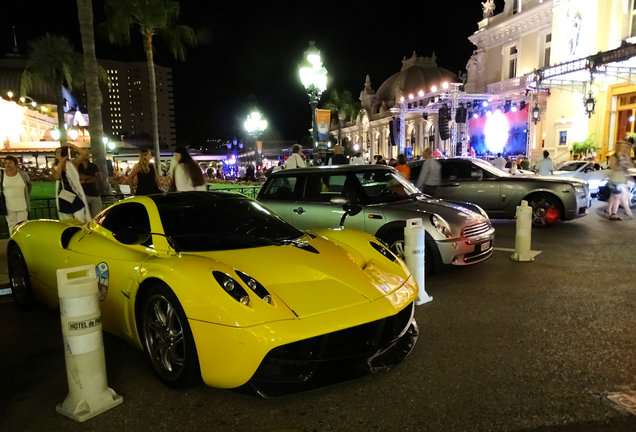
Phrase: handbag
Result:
[68,201]
[3,202]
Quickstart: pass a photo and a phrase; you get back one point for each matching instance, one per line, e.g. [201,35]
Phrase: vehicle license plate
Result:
[484,246]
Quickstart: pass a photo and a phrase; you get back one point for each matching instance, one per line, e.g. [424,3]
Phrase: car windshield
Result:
[487,166]
[385,186]
[568,166]
[223,224]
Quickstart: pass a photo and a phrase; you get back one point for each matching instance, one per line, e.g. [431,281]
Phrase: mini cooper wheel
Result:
[546,210]
[395,242]
[19,279]
[167,339]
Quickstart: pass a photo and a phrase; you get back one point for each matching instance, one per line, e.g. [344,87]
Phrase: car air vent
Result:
[307,247]
[476,229]
[384,251]
[67,235]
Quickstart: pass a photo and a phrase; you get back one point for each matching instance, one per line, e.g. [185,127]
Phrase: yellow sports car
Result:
[214,286]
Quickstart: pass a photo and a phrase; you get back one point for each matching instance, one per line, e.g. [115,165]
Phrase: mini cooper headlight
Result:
[255,286]
[232,287]
[441,225]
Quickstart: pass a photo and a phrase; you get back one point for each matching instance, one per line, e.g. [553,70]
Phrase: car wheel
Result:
[546,210]
[395,242]
[19,279]
[167,339]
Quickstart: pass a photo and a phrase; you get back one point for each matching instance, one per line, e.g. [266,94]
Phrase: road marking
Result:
[532,252]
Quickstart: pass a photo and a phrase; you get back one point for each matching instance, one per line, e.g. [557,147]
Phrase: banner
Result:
[323,119]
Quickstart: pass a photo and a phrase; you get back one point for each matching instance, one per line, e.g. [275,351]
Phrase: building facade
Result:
[370,132]
[553,55]
[126,103]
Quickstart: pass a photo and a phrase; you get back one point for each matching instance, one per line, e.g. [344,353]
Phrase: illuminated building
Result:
[126,107]
[569,58]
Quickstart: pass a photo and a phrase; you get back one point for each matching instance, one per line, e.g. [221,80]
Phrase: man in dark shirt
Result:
[89,176]
[338,157]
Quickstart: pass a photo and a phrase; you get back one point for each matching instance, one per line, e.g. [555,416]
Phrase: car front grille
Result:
[476,229]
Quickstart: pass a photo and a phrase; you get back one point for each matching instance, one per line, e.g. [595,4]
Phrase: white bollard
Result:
[414,247]
[89,394]
[523,236]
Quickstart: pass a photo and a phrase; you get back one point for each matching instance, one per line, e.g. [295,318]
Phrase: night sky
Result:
[250,56]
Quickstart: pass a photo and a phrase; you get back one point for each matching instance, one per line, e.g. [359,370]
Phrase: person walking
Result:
[16,187]
[89,176]
[402,167]
[338,157]
[187,174]
[295,160]
[499,162]
[430,175]
[143,178]
[619,164]
[70,199]
[544,167]
[357,159]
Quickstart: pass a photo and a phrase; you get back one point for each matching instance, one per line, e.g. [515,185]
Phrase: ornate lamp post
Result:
[313,76]
[255,125]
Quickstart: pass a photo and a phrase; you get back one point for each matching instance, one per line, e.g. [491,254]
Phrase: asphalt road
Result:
[504,346]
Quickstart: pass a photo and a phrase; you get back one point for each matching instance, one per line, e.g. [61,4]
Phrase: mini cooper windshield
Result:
[212,225]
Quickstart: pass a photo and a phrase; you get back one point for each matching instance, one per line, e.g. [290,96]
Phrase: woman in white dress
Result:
[16,187]
[187,174]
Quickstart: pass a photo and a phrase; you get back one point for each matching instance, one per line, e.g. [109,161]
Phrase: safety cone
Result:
[89,394]
[414,247]
[524,232]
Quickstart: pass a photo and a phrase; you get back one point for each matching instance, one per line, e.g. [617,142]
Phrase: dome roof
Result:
[417,73]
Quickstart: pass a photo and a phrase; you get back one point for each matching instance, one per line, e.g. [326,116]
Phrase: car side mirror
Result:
[351,209]
[132,235]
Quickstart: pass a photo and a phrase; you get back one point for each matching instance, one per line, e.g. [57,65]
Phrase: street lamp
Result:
[590,104]
[255,125]
[536,113]
[313,76]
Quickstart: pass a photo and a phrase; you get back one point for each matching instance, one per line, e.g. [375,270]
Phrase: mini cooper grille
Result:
[476,229]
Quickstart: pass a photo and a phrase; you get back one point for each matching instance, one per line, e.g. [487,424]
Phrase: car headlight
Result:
[441,225]
[232,287]
[580,190]
[384,251]
[255,286]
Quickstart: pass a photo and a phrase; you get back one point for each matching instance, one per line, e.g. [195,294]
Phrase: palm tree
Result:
[53,61]
[342,107]
[94,74]
[150,18]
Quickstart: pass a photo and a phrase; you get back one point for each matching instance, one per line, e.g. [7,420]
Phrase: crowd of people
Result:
[77,177]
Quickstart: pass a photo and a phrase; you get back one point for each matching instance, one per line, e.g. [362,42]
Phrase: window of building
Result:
[547,44]
[516,7]
[633,32]
[510,62]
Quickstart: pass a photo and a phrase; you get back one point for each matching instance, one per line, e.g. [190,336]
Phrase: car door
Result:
[463,180]
[315,208]
[117,265]
[280,194]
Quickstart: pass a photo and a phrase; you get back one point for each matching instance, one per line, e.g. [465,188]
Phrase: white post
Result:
[414,246]
[89,394]
[523,235]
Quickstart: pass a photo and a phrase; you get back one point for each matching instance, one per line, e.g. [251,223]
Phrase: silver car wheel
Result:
[167,338]
[545,211]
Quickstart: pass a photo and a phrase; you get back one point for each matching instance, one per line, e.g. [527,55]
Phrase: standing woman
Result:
[70,199]
[16,187]
[187,174]
[144,175]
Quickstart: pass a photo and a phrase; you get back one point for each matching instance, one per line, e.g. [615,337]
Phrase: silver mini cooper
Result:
[457,233]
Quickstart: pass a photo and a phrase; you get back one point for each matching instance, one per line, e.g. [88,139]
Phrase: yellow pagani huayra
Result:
[215,286]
